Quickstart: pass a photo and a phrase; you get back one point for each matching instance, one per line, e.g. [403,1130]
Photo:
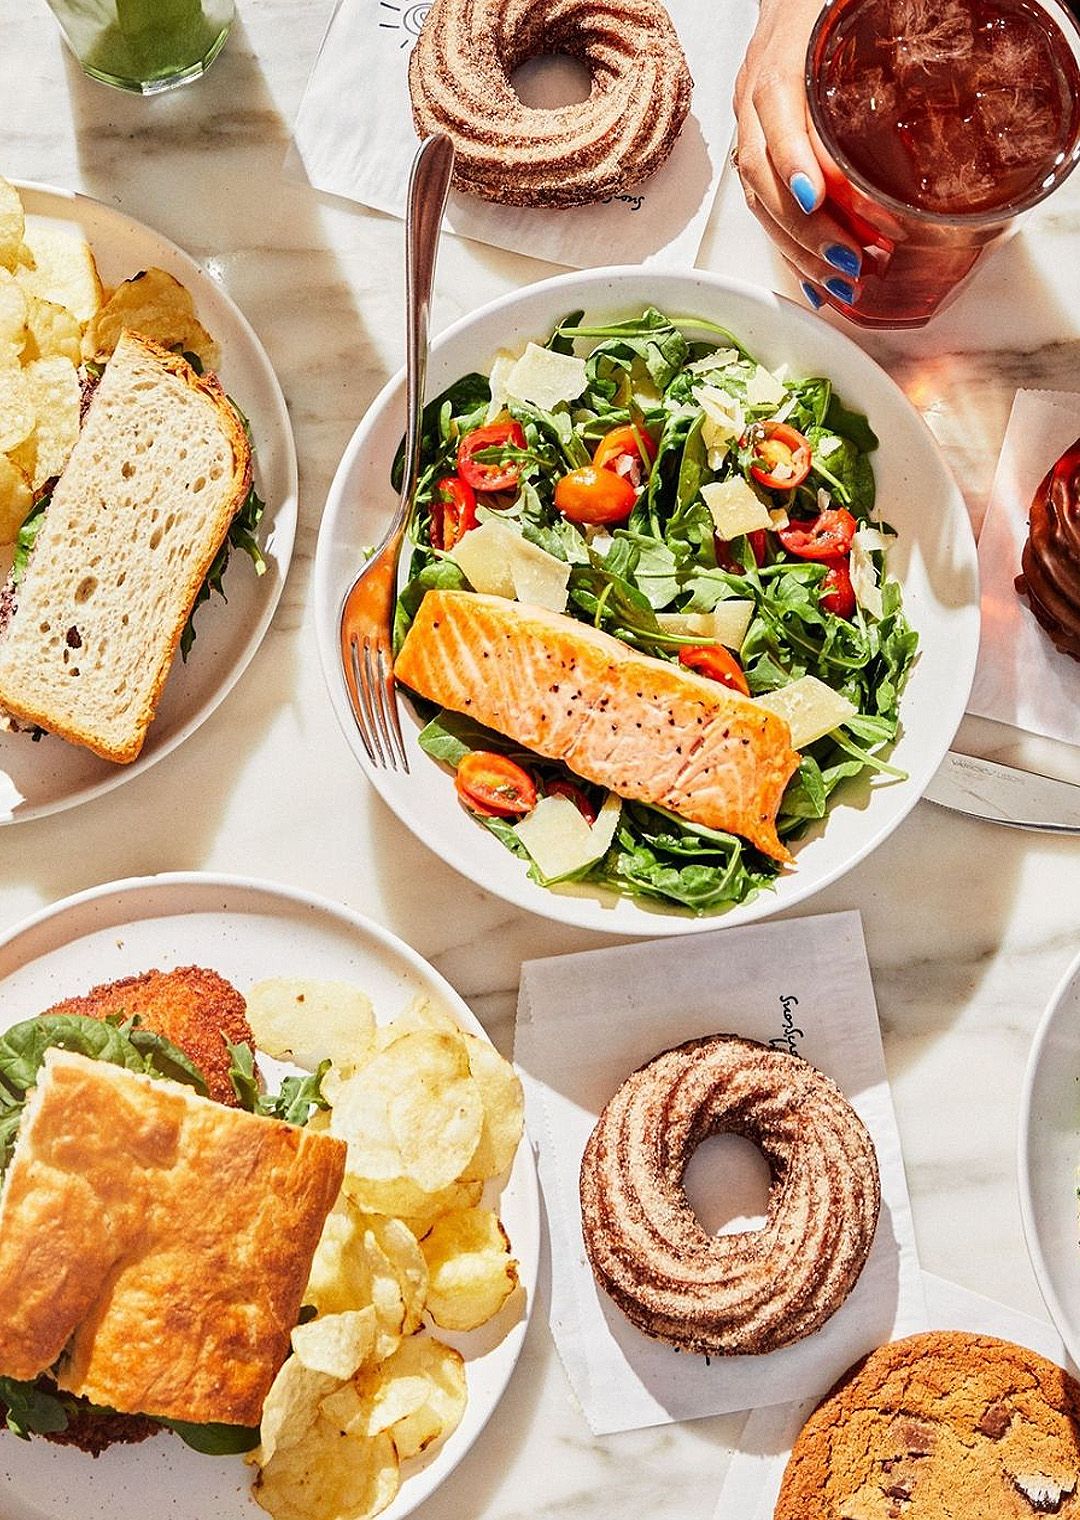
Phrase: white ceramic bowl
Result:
[1049,1155]
[934,558]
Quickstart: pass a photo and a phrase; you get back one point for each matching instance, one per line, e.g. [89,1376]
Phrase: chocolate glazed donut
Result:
[1051,557]
[459,80]
[742,1293]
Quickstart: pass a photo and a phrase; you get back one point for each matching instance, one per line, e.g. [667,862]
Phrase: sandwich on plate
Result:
[99,601]
[155,1243]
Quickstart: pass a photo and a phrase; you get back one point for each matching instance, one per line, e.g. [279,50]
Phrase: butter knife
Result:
[1003,794]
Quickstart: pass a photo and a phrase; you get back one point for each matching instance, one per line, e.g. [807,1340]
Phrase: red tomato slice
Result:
[453,511]
[621,441]
[827,536]
[561,788]
[490,477]
[494,786]
[782,457]
[590,495]
[837,592]
[758,548]
[716,662]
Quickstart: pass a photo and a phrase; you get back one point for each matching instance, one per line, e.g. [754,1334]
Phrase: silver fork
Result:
[367,655]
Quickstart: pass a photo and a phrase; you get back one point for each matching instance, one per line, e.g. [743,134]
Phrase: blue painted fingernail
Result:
[845,259]
[811,294]
[802,188]
[843,290]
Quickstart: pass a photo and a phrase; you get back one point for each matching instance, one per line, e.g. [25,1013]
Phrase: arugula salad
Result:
[672,491]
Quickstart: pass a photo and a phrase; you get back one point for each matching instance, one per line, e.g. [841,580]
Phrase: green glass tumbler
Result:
[145,45]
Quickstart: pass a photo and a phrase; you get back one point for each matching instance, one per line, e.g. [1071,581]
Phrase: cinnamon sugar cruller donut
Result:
[459,80]
[741,1293]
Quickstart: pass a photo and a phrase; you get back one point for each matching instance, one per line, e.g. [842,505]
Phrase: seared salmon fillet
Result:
[194,1008]
[646,729]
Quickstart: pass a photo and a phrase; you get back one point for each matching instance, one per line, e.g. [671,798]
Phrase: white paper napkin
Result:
[584,1023]
[752,1484]
[354,137]
[1021,679]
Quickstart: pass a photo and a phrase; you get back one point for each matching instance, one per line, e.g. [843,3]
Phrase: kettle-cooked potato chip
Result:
[16,499]
[419,1395]
[307,1021]
[329,1476]
[17,415]
[156,305]
[12,224]
[471,1271]
[337,1344]
[63,269]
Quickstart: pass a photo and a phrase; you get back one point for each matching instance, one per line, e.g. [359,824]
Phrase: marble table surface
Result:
[969,926]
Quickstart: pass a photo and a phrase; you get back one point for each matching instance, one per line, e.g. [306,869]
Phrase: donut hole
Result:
[551,81]
[727,1182]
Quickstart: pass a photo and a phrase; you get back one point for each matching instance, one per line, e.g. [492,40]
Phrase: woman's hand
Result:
[775,158]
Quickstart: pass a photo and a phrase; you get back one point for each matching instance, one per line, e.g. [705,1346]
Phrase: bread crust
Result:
[156,1241]
[943,1423]
[16,699]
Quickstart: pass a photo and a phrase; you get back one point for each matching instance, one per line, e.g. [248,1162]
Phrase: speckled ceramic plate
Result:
[44,777]
[247,931]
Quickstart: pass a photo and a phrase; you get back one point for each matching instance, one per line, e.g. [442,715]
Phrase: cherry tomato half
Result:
[837,592]
[782,457]
[714,661]
[624,441]
[561,788]
[507,434]
[727,561]
[590,495]
[494,786]
[453,511]
[824,537]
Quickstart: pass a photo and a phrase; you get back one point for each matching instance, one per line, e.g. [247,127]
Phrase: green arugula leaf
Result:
[214,1440]
[31,1410]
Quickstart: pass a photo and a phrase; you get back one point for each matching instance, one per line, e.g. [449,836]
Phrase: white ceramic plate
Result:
[246,931]
[50,775]
[934,558]
[1049,1155]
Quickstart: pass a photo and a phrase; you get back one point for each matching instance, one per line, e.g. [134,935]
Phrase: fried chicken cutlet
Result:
[194,1008]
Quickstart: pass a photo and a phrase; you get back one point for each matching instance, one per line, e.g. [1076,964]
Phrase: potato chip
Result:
[471,1271]
[346,1410]
[386,1294]
[459,1195]
[402,1250]
[421,1013]
[402,1197]
[13,304]
[56,394]
[156,305]
[329,1476]
[51,329]
[63,270]
[423,1385]
[12,225]
[504,1109]
[291,1407]
[16,499]
[337,1344]
[16,408]
[412,1111]
[338,1280]
[308,1021]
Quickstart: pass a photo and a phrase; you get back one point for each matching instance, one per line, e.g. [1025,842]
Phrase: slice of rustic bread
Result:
[159,469]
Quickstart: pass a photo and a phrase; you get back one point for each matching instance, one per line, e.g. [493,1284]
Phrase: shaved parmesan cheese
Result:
[497,561]
[873,539]
[735,508]
[560,841]
[779,518]
[809,708]
[727,623]
[763,388]
[546,378]
[724,422]
[864,581]
[497,380]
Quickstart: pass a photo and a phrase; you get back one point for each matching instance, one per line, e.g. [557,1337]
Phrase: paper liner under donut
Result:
[506,151]
[740,1293]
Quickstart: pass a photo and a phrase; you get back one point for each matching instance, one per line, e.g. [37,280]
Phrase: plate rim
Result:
[1025,1159]
[132,887]
[583,911]
[285,520]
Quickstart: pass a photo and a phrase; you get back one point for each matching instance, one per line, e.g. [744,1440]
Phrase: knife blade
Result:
[1002,794]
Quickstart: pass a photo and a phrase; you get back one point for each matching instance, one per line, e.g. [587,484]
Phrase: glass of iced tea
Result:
[145,45]
[941,122]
